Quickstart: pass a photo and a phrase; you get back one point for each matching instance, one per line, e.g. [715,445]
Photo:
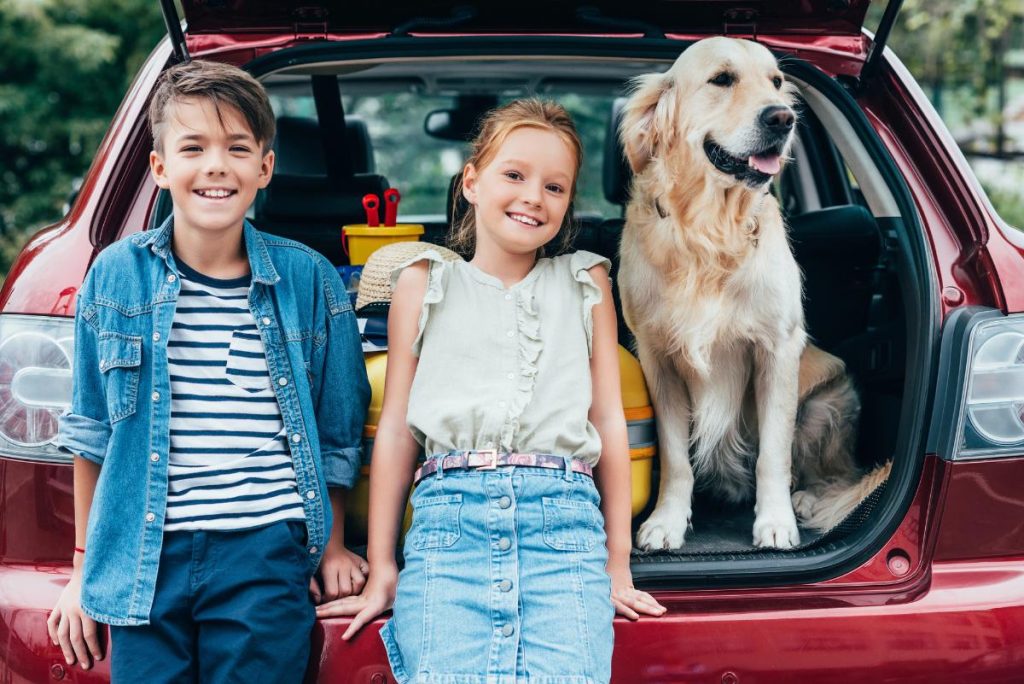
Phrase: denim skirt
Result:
[504,581]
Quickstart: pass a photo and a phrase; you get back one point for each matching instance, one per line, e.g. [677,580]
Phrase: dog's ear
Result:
[647,119]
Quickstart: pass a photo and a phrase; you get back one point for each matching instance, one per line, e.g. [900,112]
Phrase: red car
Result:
[910,277]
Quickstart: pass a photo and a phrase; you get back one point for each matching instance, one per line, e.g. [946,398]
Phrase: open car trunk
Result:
[852,227]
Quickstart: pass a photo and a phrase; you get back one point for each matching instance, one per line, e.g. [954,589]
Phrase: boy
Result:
[219,391]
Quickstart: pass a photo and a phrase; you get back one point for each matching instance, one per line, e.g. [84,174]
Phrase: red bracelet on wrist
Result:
[79,549]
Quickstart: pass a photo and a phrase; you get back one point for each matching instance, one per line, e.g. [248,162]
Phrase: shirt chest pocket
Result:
[120,364]
[246,365]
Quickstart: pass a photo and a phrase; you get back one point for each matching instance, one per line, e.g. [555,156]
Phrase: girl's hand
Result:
[343,573]
[377,597]
[630,602]
[71,629]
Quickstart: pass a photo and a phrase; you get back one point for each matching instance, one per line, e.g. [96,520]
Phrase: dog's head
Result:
[724,104]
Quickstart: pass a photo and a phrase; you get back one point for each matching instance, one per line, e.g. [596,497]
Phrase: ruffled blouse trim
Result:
[435,288]
[530,346]
[580,263]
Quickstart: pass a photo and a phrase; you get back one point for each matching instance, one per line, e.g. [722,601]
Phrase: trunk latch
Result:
[740,21]
[310,23]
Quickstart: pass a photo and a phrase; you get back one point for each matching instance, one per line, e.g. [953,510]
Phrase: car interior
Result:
[348,129]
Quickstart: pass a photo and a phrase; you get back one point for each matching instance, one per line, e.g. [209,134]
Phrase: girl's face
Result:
[521,196]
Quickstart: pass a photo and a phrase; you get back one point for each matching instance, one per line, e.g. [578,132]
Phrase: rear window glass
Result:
[422,166]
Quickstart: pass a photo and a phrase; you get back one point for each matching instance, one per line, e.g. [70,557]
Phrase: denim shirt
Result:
[121,401]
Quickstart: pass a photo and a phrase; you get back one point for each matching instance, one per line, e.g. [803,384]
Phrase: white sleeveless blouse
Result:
[506,368]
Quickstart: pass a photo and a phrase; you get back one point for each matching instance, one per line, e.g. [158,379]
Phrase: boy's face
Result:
[211,165]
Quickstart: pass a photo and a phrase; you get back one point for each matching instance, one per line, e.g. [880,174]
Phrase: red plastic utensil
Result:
[391,199]
[371,203]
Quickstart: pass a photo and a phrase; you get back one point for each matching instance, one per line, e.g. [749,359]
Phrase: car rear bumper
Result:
[967,626]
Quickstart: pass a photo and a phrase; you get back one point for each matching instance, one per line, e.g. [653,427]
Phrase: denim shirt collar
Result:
[262,268]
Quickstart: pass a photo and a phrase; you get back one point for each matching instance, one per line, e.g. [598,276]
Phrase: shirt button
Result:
[266,321]
[282,381]
[505,585]
[171,278]
[504,544]
[510,333]
[154,457]
[489,445]
[507,630]
[150,517]
[156,396]
[508,296]
[103,365]
[156,337]
[310,494]
[510,376]
[504,502]
[296,438]
[312,549]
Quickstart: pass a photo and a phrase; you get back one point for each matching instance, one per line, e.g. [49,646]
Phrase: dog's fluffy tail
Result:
[823,461]
[824,507]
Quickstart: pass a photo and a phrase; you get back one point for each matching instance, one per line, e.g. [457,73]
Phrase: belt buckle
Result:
[492,454]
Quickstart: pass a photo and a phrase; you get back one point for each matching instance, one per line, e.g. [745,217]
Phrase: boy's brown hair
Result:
[221,84]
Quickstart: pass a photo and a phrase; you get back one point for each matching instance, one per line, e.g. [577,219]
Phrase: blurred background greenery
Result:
[66,64]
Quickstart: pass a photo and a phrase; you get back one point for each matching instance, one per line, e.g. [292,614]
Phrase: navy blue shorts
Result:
[230,606]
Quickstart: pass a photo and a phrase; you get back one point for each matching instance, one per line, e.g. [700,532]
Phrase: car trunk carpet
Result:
[725,531]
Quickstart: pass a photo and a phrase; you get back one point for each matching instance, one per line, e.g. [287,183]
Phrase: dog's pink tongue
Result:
[766,163]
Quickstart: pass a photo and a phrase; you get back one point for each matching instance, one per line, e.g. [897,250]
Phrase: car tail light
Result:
[992,418]
[36,353]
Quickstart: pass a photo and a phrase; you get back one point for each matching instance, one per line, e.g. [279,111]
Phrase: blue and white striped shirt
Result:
[229,466]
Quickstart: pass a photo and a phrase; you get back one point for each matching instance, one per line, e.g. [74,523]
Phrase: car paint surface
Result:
[941,601]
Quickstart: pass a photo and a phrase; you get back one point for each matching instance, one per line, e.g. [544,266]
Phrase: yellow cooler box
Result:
[639,421]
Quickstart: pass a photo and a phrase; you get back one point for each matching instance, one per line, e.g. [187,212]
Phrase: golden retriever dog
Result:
[712,293]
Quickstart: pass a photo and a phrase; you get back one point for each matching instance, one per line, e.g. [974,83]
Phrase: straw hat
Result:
[375,280]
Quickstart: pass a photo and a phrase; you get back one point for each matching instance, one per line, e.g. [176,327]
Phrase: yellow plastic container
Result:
[639,423]
[358,500]
[643,437]
[364,240]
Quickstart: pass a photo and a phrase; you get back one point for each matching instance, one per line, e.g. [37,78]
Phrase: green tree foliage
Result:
[968,55]
[64,67]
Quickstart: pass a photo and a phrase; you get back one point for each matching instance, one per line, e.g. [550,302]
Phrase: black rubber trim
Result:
[918,285]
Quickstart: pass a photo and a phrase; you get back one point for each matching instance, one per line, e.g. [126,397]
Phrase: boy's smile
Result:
[211,164]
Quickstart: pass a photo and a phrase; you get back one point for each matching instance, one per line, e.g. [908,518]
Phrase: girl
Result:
[505,370]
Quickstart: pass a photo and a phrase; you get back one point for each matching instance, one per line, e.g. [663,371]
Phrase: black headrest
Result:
[312,198]
[299,147]
[457,205]
[848,230]
[617,174]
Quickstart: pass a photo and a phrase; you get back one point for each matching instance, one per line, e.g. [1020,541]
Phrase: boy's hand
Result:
[378,597]
[71,629]
[343,573]
[629,601]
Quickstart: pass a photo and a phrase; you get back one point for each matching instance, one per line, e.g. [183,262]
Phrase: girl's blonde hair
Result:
[495,128]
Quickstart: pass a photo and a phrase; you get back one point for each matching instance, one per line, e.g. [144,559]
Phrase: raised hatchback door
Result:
[821,17]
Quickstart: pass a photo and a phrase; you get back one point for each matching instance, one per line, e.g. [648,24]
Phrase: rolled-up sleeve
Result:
[84,429]
[342,394]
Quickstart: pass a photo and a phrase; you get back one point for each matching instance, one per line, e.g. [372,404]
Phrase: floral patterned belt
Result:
[489,459]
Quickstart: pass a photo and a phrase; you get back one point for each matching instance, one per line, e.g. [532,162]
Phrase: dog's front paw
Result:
[776,528]
[664,530]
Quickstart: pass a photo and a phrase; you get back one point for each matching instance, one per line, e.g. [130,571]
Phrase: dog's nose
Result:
[778,119]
